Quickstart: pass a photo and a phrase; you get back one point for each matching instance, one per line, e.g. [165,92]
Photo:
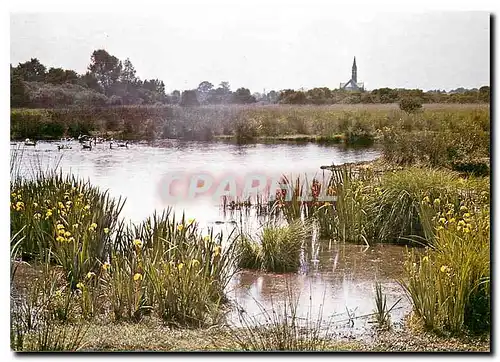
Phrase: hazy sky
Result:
[272,48]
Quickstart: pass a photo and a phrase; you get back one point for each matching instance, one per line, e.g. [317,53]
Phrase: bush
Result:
[410,105]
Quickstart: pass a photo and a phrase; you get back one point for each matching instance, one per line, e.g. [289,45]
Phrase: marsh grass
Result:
[382,311]
[449,284]
[277,248]
[281,328]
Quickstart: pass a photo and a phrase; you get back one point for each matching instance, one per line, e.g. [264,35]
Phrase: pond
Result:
[338,278]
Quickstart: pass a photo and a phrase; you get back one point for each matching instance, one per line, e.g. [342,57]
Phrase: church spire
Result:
[354,76]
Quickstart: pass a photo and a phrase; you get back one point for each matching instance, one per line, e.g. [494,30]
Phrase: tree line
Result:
[110,82]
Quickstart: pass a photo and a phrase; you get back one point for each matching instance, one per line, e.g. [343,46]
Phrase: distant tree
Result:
[61,76]
[189,99]
[203,91]
[273,96]
[484,94]
[32,71]
[242,96]
[89,80]
[225,87]
[18,92]
[290,96]
[128,73]
[175,97]
[106,68]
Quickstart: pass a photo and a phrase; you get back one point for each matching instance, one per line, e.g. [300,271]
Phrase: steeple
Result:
[354,76]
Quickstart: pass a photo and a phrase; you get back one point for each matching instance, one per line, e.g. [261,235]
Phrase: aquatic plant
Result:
[277,249]
[449,284]
[281,328]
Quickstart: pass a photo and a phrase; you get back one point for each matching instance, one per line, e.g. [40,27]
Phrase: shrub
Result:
[410,105]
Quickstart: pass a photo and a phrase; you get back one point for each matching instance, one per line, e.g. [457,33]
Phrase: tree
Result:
[189,98]
[203,91]
[32,71]
[128,73]
[175,97]
[89,80]
[18,93]
[242,96]
[484,94]
[106,68]
[273,96]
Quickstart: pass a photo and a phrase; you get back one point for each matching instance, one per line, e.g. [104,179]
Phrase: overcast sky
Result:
[268,48]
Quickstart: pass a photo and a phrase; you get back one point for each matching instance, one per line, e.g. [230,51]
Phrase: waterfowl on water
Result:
[87,147]
[28,142]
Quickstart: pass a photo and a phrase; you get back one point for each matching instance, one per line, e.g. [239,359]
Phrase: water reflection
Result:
[338,279]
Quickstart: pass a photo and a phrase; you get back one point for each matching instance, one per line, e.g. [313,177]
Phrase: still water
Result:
[339,279]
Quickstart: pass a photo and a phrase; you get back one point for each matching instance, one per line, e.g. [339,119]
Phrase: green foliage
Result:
[449,284]
[189,99]
[410,105]
[278,248]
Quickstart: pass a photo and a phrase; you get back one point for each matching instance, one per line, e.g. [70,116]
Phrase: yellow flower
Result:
[13,194]
[19,196]
[461,223]
[466,215]
[463,208]
[71,239]
[58,293]
[459,228]
[452,220]
[137,277]
[105,266]
[94,225]
[19,205]
[466,230]
[437,202]
[425,258]
[442,220]
[206,237]
[180,266]
[60,204]
[106,230]
[426,199]
[195,263]
[60,239]
[138,243]
[59,226]
[444,269]
[67,234]
[440,227]
[80,285]
[90,275]
[180,227]
[217,250]
[60,232]
[87,207]
[48,214]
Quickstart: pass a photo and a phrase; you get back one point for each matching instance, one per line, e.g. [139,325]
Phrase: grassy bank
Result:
[453,136]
